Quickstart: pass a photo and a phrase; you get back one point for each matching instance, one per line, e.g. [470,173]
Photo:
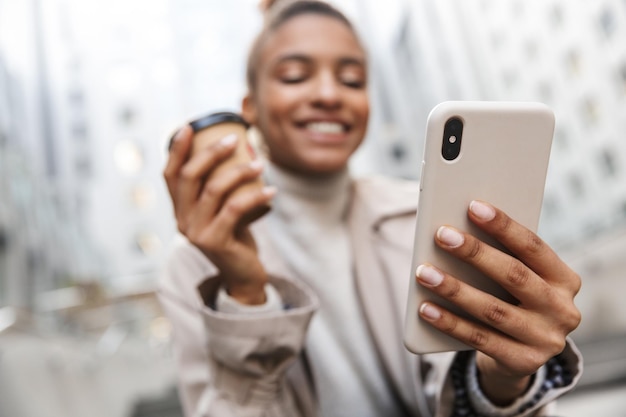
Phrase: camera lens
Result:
[452,135]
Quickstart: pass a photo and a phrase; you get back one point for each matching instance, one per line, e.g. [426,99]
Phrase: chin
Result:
[323,166]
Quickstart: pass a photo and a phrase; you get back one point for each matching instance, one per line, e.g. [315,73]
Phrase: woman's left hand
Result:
[513,341]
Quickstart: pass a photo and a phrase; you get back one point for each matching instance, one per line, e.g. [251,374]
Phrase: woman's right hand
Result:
[209,214]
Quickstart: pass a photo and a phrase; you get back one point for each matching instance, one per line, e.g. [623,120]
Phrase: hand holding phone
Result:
[496,152]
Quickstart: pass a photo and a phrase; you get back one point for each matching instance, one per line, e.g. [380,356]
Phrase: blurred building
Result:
[569,55]
[42,245]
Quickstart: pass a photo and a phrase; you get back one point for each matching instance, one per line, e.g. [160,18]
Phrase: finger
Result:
[490,310]
[523,243]
[218,187]
[179,152]
[509,272]
[513,354]
[204,160]
[194,173]
[233,210]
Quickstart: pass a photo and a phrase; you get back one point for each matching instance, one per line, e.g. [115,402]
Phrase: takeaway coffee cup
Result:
[213,127]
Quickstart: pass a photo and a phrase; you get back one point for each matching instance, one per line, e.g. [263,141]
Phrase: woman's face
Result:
[310,101]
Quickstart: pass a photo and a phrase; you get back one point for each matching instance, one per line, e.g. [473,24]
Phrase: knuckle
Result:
[517,274]
[450,325]
[572,319]
[478,338]
[534,245]
[234,207]
[577,283]
[188,173]
[495,313]
[452,289]
[555,345]
[531,362]
[212,189]
[504,224]
[474,250]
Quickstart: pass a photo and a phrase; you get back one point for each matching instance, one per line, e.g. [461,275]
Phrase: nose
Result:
[327,91]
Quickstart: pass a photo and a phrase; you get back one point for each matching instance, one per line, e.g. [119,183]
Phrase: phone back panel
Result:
[504,156]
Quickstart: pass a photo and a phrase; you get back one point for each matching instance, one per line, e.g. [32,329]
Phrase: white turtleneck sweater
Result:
[308,226]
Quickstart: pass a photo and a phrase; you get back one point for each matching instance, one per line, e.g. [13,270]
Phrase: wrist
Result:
[247,294]
[500,388]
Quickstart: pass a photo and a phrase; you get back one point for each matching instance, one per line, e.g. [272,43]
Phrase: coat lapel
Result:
[378,289]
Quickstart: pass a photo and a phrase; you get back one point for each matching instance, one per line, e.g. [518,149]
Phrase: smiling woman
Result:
[325,270]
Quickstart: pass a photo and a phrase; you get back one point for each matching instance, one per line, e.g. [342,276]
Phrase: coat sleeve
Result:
[231,364]
[438,372]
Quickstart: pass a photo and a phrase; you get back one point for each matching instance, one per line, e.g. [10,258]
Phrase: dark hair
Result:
[277,14]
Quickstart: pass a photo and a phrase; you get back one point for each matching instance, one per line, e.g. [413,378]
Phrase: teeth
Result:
[325,127]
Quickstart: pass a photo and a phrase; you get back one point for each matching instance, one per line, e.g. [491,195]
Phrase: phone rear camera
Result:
[452,135]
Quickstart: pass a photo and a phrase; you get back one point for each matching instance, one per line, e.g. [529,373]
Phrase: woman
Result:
[242,299]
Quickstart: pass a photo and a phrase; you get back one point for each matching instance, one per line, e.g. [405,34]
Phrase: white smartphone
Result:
[492,151]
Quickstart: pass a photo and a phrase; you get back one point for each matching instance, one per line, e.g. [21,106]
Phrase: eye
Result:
[353,77]
[292,78]
[353,83]
[292,72]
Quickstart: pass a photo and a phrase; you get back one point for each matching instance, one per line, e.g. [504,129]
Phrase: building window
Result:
[561,138]
[576,186]
[573,63]
[556,17]
[79,130]
[545,91]
[532,48]
[608,163]
[509,78]
[551,206]
[127,116]
[590,111]
[517,9]
[497,40]
[83,167]
[76,98]
[607,22]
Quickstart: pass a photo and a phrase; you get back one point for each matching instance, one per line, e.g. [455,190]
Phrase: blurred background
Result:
[90,91]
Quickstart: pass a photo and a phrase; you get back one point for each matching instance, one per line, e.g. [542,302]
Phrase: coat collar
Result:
[382,199]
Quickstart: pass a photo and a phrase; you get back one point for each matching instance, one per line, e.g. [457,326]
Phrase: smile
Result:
[325,127]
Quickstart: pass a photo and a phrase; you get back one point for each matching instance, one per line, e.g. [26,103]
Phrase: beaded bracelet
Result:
[557,375]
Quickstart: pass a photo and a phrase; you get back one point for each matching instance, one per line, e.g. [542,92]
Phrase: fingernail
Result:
[228,140]
[450,237]
[429,312]
[269,190]
[256,165]
[482,211]
[429,276]
[177,136]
